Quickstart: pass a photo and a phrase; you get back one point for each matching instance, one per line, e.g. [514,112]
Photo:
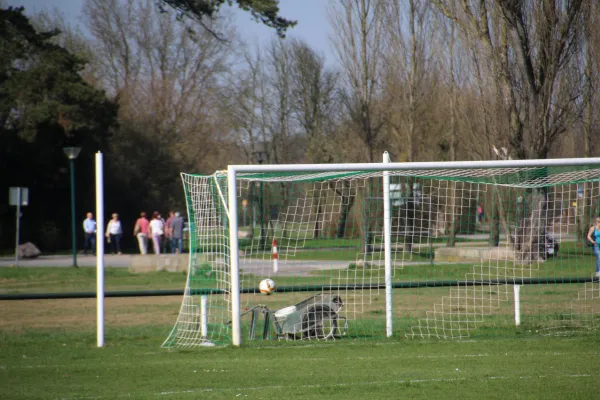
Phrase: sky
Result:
[311,15]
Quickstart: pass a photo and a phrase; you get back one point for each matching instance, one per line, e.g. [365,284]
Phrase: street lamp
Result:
[72,153]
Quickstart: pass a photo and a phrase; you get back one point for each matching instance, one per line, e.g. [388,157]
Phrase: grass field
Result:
[63,363]
[47,351]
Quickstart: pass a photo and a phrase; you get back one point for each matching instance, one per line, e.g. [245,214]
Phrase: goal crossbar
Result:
[557,162]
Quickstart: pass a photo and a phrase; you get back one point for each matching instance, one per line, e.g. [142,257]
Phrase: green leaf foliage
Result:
[45,104]
[263,11]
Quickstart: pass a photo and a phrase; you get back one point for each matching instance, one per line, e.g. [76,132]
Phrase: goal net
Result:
[445,250]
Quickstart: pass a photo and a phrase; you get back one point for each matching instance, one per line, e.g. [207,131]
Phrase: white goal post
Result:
[235,171]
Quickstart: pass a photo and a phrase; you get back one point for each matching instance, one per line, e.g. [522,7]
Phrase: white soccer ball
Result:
[267,286]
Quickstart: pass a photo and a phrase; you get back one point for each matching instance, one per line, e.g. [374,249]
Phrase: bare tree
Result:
[411,85]
[313,90]
[314,100]
[410,68]
[357,39]
[112,24]
[531,45]
[278,78]
[167,83]
[591,127]
[242,102]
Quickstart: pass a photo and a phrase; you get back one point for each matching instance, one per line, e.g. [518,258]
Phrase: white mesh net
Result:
[460,239]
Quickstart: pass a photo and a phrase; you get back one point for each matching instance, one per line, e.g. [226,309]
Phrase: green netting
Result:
[460,241]
[518,177]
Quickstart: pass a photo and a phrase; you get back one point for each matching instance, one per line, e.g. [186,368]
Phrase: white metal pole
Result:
[554,162]
[18,226]
[100,249]
[204,316]
[236,333]
[517,289]
[387,237]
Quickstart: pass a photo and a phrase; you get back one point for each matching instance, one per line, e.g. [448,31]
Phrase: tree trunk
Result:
[495,228]
[367,219]
[452,227]
[530,241]
[318,212]
[284,192]
[347,201]
[452,222]
[340,231]
[412,84]
[408,217]
[252,197]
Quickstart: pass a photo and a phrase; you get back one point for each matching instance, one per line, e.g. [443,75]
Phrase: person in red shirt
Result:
[141,232]
[480,213]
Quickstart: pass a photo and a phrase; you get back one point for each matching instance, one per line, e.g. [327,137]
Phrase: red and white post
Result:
[275,257]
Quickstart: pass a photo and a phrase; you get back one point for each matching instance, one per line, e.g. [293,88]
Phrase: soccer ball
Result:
[267,286]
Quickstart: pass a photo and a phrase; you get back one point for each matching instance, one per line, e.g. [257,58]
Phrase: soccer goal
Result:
[406,250]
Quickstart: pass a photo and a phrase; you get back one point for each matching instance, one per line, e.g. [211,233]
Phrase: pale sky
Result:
[311,15]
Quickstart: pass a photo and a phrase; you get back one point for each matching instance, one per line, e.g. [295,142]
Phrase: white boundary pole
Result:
[100,248]
[387,236]
[236,332]
[204,316]
[19,191]
[517,290]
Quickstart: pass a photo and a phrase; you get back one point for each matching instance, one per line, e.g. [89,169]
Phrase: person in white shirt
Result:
[89,227]
[157,228]
[114,232]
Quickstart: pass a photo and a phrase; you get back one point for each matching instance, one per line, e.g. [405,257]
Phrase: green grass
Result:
[65,364]
[59,279]
[47,348]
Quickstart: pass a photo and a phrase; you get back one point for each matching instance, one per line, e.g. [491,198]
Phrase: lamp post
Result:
[72,153]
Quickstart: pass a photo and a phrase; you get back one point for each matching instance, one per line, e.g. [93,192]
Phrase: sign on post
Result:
[16,193]
[18,196]
[396,194]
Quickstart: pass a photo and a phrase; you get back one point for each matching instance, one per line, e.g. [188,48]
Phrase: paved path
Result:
[258,267]
[119,261]
[253,266]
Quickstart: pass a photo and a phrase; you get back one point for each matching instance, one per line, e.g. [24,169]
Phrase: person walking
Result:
[480,213]
[594,237]
[114,231]
[140,230]
[156,231]
[169,232]
[89,227]
[176,228]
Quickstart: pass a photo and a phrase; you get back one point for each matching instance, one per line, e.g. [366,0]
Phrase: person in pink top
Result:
[141,232]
